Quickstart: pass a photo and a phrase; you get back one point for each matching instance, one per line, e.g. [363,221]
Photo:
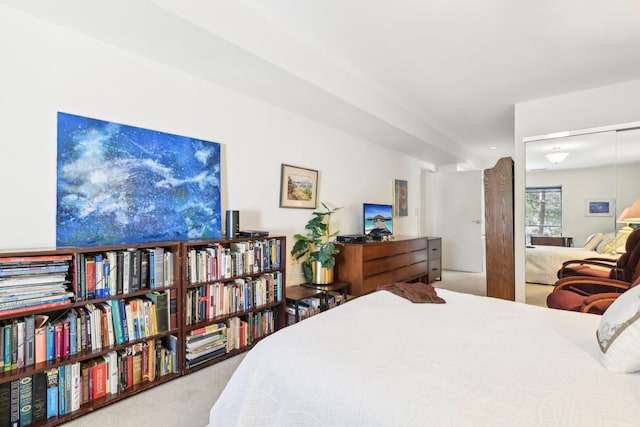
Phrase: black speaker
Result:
[233,224]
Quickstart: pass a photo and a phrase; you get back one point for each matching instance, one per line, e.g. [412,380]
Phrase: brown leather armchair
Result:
[626,268]
[587,294]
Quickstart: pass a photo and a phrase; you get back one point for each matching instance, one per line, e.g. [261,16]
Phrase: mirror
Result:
[596,178]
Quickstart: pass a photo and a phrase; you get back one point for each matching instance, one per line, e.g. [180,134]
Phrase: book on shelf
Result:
[26,400]
[52,392]
[111,360]
[14,417]
[5,404]
[39,412]
[117,321]
[98,279]
[144,269]
[108,332]
[134,275]
[29,339]
[7,346]
[18,335]
[173,308]
[90,276]
[161,303]
[100,376]
[75,386]
[62,397]
[125,321]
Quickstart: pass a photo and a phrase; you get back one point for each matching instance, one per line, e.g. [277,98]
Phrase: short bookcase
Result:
[69,354]
[234,295]
[173,311]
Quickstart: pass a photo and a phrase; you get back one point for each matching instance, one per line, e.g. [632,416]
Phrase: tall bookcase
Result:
[110,331]
[233,295]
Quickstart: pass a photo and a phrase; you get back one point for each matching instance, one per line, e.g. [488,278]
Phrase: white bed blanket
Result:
[381,360]
[543,262]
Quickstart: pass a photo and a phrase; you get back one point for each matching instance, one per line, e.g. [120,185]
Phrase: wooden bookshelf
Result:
[74,343]
[166,296]
[233,296]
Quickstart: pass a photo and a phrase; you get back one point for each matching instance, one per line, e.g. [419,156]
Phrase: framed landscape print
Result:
[298,187]
[401,198]
[124,184]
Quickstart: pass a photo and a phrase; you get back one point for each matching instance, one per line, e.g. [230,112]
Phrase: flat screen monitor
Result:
[377,219]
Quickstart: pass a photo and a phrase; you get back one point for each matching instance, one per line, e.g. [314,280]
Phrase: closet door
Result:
[499,231]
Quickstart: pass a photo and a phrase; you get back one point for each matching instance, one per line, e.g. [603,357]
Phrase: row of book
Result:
[311,306]
[217,339]
[216,261]
[62,390]
[207,302]
[26,282]
[33,339]
[111,273]
[307,307]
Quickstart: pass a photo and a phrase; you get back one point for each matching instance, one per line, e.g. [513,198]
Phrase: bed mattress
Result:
[381,360]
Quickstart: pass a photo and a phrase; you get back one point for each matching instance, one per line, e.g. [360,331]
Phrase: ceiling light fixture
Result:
[556,156]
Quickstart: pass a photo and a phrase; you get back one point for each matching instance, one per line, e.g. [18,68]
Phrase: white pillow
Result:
[619,333]
[608,243]
[593,241]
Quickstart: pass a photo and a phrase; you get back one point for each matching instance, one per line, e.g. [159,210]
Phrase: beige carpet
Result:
[186,401]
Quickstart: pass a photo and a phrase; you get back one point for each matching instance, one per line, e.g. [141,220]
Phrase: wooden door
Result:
[499,231]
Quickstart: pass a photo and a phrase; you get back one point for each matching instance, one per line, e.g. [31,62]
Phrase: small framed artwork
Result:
[298,187]
[598,207]
[401,198]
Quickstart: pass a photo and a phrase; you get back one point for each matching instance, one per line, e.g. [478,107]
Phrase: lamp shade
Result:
[631,214]
[623,215]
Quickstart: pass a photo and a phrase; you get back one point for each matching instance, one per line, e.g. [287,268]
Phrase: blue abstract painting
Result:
[119,184]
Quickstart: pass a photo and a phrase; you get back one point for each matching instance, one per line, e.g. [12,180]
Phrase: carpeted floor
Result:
[186,401]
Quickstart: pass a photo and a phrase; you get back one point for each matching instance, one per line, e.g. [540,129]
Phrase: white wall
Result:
[47,69]
[616,183]
[579,110]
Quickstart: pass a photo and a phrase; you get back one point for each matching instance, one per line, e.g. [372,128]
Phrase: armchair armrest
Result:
[599,302]
[584,285]
[593,264]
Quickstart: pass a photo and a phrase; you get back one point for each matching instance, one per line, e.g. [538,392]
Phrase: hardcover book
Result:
[161,302]
[15,404]
[5,404]
[52,392]
[26,400]
[39,412]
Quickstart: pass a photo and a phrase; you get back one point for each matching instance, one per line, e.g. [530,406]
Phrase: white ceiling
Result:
[436,79]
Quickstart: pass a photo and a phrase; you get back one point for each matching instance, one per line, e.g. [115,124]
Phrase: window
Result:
[543,211]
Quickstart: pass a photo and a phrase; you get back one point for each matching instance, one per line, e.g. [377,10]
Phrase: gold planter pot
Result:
[321,275]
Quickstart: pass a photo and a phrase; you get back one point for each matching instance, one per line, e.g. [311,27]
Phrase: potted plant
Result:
[317,248]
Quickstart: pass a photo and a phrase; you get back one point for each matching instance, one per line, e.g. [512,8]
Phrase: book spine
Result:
[5,404]
[26,400]
[39,412]
[52,393]
[15,403]
[76,387]
[30,336]
[62,408]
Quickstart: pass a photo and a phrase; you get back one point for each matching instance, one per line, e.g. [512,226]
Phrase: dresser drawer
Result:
[435,270]
[435,248]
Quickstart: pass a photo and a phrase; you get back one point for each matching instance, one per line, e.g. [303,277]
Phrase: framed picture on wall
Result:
[401,198]
[298,187]
[598,207]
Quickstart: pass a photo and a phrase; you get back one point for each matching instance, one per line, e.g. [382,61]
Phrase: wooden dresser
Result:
[368,265]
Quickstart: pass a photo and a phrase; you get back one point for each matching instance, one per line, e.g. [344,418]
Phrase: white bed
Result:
[381,360]
[543,262]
